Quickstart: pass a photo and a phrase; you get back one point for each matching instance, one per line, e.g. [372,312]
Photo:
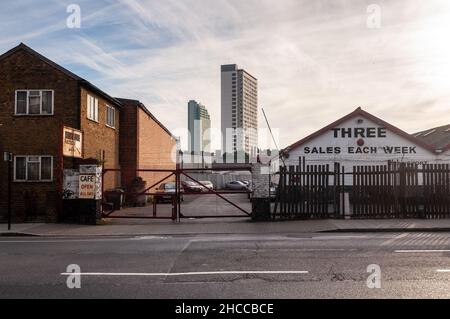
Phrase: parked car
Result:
[191,187]
[236,185]
[208,184]
[245,182]
[166,191]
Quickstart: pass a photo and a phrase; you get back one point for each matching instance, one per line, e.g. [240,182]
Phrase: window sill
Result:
[33,115]
[93,121]
[27,182]
[111,127]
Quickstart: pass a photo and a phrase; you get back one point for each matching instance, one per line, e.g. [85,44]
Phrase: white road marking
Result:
[64,240]
[423,251]
[156,274]
[443,270]
[149,237]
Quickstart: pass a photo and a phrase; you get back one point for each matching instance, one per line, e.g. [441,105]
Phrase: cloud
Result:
[315,60]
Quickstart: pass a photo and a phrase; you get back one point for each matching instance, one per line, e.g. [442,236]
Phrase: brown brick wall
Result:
[156,148]
[128,144]
[144,144]
[99,139]
[41,135]
[33,135]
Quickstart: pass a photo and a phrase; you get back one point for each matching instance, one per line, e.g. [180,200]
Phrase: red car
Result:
[166,192]
[192,187]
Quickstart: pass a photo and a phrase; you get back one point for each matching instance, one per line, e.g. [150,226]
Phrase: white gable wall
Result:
[380,146]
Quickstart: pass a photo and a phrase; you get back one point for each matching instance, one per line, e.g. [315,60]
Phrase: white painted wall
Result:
[348,160]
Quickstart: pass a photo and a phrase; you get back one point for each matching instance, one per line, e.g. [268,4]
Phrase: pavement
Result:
[206,205]
[132,227]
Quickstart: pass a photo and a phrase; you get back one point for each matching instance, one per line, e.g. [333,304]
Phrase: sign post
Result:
[8,157]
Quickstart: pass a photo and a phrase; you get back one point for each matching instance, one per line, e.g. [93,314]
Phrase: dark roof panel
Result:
[439,136]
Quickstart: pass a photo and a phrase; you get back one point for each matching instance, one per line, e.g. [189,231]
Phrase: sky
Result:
[315,61]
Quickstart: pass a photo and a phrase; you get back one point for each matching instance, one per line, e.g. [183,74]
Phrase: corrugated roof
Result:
[439,136]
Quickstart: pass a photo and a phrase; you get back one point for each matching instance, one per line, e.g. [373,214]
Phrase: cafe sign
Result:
[86,186]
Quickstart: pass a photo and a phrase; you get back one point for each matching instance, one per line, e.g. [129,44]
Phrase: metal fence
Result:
[395,190]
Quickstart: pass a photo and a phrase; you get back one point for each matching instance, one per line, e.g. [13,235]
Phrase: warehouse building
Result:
[360,138]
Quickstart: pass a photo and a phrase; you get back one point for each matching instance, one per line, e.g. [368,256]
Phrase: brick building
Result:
[37,98]
[145,143]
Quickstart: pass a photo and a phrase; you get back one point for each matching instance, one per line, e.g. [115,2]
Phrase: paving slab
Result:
[126,227]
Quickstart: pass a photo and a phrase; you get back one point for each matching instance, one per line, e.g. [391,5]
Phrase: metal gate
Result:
[155,211]
[309,192]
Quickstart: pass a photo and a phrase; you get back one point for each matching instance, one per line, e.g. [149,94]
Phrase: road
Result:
[413,265]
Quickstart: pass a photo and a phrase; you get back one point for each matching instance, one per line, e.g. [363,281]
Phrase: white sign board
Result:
[72,142]
[71,184]
[86,186]
[96,173]
[7,157]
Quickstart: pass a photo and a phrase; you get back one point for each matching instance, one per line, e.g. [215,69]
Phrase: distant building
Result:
[239,110]
[199,124]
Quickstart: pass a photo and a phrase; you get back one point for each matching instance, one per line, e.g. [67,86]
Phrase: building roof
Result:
[80,80]
[360,112]
[439,137]
[137,103]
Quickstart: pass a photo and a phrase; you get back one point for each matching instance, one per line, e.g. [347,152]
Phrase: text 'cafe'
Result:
[361,138]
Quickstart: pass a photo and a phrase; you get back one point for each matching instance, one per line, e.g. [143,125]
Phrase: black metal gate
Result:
[113,210]
[309,192]
[395,190]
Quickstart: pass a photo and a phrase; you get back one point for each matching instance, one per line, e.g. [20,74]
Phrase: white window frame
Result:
[108,107]
[95,110]
[28,104]
[26,169]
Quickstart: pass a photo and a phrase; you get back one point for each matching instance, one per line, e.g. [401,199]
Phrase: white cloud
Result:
[315,60]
